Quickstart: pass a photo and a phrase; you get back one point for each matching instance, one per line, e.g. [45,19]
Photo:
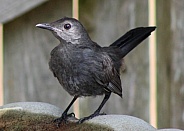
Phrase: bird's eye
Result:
[67,26]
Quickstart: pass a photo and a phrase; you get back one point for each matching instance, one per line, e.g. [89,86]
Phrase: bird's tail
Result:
[132,38]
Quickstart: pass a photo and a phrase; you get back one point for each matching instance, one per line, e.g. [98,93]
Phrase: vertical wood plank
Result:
[26,56]
[177,71]
[152,66]
[75,9]
[164,56]
[75,14]
[1,64]
[106,21]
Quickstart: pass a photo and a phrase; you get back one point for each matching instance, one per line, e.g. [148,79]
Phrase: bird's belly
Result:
[80,85]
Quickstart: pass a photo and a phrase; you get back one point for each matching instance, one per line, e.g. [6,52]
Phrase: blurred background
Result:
[153,81]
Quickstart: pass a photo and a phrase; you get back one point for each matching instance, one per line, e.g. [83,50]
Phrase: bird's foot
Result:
[89,117]
[63,119]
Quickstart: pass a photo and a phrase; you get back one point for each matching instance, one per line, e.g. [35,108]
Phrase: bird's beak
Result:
[45,26]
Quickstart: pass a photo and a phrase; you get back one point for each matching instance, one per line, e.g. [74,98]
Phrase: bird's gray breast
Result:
[75,68]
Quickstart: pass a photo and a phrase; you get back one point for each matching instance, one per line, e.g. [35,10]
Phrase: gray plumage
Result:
[83,67]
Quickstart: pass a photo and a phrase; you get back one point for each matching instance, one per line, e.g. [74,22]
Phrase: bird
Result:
[83,67]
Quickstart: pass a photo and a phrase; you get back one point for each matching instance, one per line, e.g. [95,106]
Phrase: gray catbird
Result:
[83,67]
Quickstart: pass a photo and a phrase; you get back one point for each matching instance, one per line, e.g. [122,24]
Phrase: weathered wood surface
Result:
[177,71]
[10,9]
[164,54]
[26,54]
[170,63]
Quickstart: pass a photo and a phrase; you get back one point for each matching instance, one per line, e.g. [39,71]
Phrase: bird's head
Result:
[66,29]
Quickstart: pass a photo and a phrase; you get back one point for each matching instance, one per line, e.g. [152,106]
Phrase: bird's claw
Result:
[60,120]
[70,115]
[63,119]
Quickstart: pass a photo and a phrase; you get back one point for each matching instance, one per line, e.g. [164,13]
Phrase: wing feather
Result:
[110,79]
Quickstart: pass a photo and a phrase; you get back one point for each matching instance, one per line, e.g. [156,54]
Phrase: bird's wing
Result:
[110,77]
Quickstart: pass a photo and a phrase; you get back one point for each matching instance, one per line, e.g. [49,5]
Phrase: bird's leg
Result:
[64,116]
[97,112]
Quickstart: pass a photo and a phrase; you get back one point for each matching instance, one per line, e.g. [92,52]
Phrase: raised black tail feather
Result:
[132,38]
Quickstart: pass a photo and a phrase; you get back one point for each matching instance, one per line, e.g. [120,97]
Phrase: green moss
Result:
[15,120]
